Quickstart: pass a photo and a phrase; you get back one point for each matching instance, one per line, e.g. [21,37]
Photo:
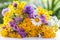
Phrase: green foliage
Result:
[53,5]
[3,4]
[57,13]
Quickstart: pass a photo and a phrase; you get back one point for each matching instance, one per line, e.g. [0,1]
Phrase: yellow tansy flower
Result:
[47,32]
[30,29]
[4,33]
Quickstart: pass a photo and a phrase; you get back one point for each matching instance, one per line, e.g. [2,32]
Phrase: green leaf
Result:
[48,5]
[56,6]
[57,13]
[52,5]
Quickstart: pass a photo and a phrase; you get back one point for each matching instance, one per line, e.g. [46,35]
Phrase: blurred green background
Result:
[53,5]
[3,4]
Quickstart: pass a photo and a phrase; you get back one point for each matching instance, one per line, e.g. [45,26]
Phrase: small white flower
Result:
[39,36]
[36,21]
[53,21]
[59,23]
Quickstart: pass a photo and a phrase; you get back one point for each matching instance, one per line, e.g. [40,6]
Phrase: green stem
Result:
[48,4]
[56,3]
[52,4]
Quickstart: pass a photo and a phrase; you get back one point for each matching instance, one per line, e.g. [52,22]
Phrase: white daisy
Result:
[36,21]
[53,21]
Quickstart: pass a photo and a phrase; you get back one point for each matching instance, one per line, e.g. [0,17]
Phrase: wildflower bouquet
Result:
[22,20]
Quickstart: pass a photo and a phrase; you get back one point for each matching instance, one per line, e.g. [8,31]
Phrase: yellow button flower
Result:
[4,33]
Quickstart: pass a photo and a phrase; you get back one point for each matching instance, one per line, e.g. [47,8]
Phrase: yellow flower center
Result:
[37,19]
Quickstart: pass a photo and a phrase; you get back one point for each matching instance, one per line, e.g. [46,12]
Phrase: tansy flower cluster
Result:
[21,20]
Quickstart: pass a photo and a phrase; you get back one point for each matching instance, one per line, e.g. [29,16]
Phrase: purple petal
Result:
[18,19]
[12,24]
[4,11]
[30,16]
[43,19]
[28,9]
[20,29]
[23,34]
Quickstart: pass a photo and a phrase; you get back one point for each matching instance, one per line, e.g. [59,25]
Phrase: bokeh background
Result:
[53,5]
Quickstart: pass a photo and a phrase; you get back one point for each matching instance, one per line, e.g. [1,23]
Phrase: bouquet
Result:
[22,20]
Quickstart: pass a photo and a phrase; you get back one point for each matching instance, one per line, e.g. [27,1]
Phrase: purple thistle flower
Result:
[18,19]
[30,16]
[19,29]
[21,32]
[15,4]
[29,10]
[12,24]
[43,19]
[4,11]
